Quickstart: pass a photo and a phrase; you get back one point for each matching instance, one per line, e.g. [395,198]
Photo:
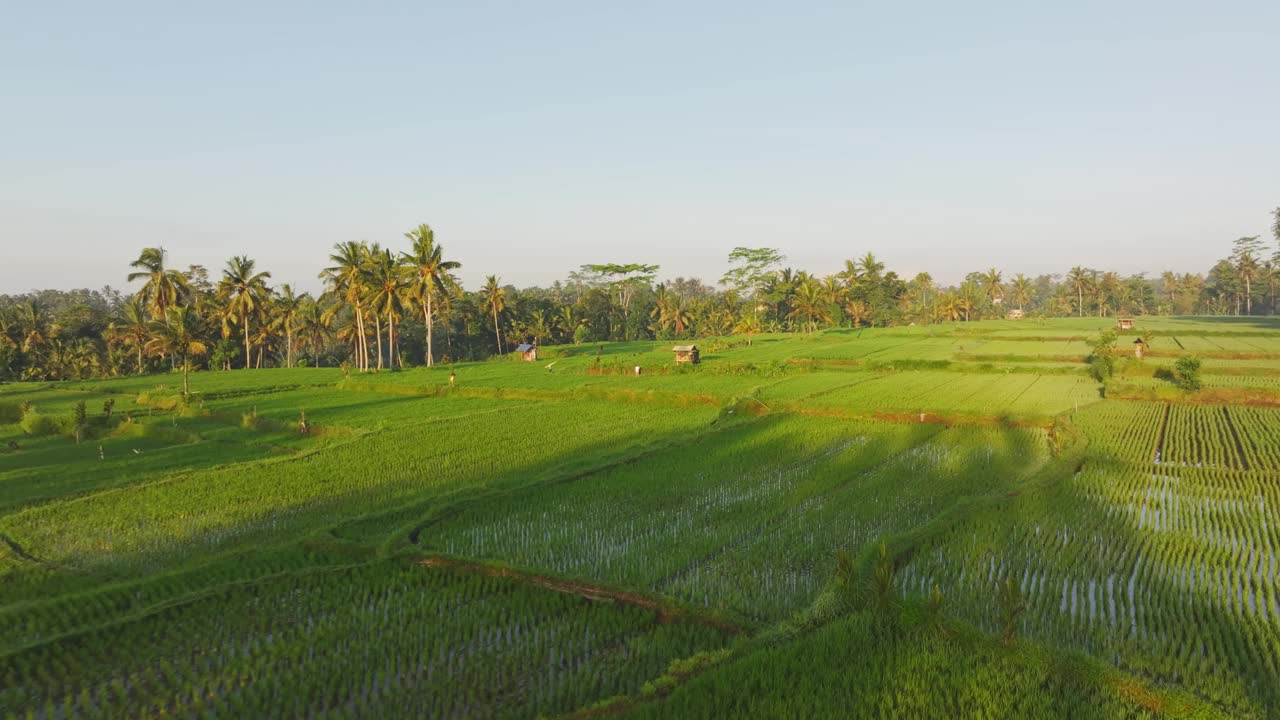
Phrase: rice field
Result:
[538,539]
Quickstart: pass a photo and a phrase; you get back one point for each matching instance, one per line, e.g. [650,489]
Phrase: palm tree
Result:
[316,326]
[809,302]
[1169,283]
[948,307]
[164,288]
[386,295]
[35,326]
[495,301]
[1078,279]
[132,326]
[670,311]
[1022,290]
[346,279]
[243,292]
[924,284]
[568,321]
[992,286]
[850,273]
[288,307]
[857,312]
[870,266]
[539,325]
[834,291]
[749,324]
[967,298]
[181,334]
[1248,267]
[430,272]
[1106,288]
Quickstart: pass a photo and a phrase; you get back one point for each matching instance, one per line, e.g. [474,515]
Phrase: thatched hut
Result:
[687,354]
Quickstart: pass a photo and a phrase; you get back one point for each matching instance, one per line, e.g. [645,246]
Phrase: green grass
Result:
[209,557]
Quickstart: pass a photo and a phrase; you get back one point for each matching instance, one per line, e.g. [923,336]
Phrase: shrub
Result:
[1102,363]
[1186,373]
[37,425]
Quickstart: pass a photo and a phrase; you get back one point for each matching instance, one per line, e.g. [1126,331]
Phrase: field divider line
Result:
[667,609]
[1024,391]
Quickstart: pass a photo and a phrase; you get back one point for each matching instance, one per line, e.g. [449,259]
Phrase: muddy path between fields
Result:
[666,611]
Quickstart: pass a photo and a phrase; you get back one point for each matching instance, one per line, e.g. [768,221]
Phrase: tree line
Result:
[387,308]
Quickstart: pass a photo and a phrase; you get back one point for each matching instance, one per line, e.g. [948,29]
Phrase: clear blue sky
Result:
[537,136]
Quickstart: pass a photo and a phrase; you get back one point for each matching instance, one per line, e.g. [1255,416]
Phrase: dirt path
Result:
[666,611]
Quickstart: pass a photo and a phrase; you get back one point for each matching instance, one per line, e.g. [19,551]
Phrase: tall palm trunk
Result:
[429,321]
[362,348]
[288,345]
[496,332]
[377,336]
[391,339]
[244,319]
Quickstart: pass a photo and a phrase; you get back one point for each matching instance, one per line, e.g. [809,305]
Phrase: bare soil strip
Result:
[666,611]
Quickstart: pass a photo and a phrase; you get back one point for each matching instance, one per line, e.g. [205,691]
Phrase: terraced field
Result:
[802,526]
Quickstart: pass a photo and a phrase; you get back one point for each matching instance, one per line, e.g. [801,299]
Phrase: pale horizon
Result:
[537,139]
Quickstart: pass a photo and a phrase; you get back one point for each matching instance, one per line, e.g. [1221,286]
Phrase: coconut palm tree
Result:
[164,288]
[993,286]
[1106,289]
[834,291]
[870,267]
[35,326]
[1169,283]
[495,301]
[387,290]
[315,326]
[429,273]
[568,321]
[288,308]
[809,303]
[346,280]
[857,312]
[540,326]
[181,334]
[1079,280]
[132,326]
[967,299]
[1022,289]
[1248,267]
[948,307]
[243,292]
[670,310]
[923,283]
[749,324]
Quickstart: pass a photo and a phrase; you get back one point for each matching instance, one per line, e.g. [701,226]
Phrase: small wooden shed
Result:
[1125,323]
[528,353]
[1015,314]
[1139,348]
[686,354]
